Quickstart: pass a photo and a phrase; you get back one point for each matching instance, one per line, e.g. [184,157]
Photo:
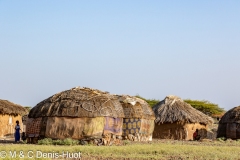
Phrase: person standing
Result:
[196,135]
[17,132]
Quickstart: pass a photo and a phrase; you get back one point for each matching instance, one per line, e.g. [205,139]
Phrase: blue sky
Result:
[151,48]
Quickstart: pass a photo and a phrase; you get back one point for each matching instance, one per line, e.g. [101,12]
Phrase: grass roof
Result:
[135,107]
[231,116]
[10,108]
[78,102]
[173,109]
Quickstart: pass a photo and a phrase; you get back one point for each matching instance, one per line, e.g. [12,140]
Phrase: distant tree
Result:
[28,108]
[151,102]
[206,107]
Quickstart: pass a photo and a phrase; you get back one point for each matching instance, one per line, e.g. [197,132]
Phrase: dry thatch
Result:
[10,108]
[134,107]
[231,116]
[78,102]
[173,109]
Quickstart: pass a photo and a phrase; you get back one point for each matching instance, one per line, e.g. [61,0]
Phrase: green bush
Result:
[49,141]
[221,139]
[58,142]
[70,141]
[126,142]
[45,141]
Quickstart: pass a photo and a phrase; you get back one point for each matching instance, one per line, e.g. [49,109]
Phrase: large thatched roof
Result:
[173,109]
[231,116]
[134,107]
[10,108]
[78,102]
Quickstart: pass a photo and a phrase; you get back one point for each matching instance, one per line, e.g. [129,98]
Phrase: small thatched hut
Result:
[10,113]
[178,120]
[229,125]
[78,113]
[138,124]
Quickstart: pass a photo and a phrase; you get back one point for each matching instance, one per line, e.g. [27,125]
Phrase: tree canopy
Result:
[28,108]
[206,107]
[151,102]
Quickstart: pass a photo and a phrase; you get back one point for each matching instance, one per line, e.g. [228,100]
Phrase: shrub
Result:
[58,142]
[70,141]
[126,142]
[45,141]
[49,141]
[221,139]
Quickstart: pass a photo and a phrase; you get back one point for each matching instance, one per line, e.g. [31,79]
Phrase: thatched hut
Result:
[78,113]
[10,113]
[229,125]
[176,119]
[138,123]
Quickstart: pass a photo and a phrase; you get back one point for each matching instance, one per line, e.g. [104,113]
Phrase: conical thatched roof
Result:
[134,107]
[78,102]
[231,116]
[173,109]
[10,108]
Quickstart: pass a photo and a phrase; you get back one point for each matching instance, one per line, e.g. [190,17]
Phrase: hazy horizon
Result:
[157,48]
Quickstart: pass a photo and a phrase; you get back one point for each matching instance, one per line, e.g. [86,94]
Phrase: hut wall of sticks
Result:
[138,124]
[79,113]
[229,125]
[9,114]
[175,119]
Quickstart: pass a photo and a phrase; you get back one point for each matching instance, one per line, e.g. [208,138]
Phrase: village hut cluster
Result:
[78,113]
[91,115]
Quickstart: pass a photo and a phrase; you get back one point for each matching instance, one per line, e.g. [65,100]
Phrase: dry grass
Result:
[163,149]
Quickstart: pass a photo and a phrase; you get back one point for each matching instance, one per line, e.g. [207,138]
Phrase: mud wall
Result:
[191,128]
[8,123]
[178,131]
[75,128]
